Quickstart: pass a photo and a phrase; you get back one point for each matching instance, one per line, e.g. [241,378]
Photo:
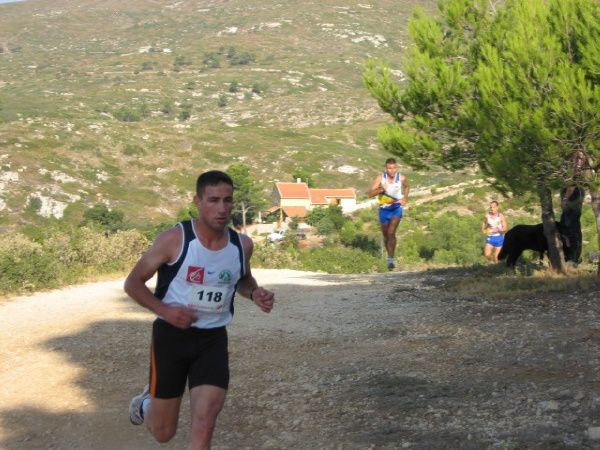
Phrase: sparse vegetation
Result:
[63,258]
[112,121]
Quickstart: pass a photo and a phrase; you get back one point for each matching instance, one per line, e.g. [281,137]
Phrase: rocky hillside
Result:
[125,102]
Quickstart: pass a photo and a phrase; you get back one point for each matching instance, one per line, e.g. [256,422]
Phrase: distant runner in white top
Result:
[391,189]
[493,226]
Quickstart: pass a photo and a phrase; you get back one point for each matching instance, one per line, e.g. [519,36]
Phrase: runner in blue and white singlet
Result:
[391,189]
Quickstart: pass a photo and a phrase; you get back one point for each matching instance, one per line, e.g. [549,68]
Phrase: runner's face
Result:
[391,169]
[493,208]
[215,205]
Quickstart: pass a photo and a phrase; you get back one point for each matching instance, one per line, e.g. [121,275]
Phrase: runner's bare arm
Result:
[405,190]
[376,188]
[248,286]
[164,249]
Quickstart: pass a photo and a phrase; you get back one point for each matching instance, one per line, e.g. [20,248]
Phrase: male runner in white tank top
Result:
[391,189]
[201,264]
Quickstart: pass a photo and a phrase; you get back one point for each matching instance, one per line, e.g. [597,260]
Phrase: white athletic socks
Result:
[145,407]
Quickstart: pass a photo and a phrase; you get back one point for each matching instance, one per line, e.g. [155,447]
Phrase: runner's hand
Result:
[180,316]
[263,298]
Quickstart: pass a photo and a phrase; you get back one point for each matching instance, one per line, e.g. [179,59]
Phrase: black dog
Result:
[525,237]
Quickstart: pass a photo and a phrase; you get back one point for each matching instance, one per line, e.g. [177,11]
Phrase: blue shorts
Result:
[387,214]
[495,240]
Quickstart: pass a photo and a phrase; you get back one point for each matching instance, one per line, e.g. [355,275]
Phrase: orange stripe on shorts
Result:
[153,376]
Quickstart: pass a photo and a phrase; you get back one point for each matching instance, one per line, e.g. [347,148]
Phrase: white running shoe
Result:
[136,415]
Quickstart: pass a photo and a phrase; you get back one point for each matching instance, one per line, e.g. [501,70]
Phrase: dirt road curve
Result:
[381,361]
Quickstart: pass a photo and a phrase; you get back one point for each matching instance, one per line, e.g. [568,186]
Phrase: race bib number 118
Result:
[207,298]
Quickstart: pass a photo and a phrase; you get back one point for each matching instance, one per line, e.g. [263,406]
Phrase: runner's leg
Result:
[206,401]
[384,232]
[390,242]
[162,418]
[496,253]
[487,251]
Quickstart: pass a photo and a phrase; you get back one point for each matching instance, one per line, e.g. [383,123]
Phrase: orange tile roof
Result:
[293,190]
[295,211]
[320,196]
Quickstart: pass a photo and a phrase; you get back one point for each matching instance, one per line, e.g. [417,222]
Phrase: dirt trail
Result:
[344,362]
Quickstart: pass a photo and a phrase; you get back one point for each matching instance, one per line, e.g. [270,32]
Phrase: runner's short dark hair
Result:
[211,178]
[390,161]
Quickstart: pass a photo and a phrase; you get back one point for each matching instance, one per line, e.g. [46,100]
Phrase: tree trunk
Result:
[595,193]
[555,250]
[244,210]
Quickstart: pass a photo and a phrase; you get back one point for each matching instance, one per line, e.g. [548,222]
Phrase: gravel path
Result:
[381,361]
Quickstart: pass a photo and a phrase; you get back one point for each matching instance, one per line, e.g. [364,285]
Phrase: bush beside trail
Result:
[63,258]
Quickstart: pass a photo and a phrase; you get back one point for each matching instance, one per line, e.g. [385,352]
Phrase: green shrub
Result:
[450,239]
[187,213]
[182,61]
[325,226]
[348,233]
[61,255]
[34,204]
[340,260]
[24,266]
[167,107]
[133,150]
[238,59]
[127,115]
[100,215]
[590,235]
[315,215]
[293,225]
[212,60]
[269,256]
[95,251]
[367,244]
[148,65]
[327,219]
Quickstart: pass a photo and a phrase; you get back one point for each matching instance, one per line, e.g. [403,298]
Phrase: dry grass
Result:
[495,282]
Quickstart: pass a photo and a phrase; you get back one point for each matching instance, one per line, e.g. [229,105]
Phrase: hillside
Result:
[125,102]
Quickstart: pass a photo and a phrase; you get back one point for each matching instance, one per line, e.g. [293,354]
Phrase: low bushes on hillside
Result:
[61,258]
[340,260]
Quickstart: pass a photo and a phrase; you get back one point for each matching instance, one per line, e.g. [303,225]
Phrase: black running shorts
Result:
[198,355]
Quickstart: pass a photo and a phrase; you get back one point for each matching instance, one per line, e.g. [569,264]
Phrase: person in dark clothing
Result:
[571,202]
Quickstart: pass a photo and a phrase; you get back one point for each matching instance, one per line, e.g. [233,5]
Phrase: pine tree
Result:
[247,195]
[511,86]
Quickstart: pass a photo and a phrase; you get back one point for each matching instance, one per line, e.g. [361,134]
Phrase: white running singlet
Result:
[203,279]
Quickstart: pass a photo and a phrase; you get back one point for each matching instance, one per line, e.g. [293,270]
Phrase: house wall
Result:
[348,204]
[295,202]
